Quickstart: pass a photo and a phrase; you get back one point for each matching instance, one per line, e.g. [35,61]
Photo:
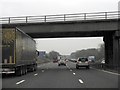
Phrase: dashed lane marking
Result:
[81,81]
[73,73]
[20,82]
[35,74]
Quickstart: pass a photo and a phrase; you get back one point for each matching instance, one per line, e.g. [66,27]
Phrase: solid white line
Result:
[106,71]
[35,74]
[73,73]
[20,82]
[80,81]
[110,72]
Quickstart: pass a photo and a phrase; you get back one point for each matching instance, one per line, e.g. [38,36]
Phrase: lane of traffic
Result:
[50,75]
[59,77]
[94,78]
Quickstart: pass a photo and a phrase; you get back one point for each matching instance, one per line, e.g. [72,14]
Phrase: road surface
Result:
[50,75]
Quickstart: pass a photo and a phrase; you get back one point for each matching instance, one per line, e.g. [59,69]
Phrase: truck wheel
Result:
[18,71]
[32,68]
[87,67]
[35,67]
[77,67]
[23,70]
[26,70]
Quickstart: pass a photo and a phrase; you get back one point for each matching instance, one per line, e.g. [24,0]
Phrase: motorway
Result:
[50,75]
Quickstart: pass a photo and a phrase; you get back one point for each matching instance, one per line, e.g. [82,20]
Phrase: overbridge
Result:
[105,24]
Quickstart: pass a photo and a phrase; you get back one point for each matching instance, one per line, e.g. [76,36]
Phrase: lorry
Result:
[18,52]
[91,58]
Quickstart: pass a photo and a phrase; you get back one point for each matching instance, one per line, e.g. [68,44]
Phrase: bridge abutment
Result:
[112,46]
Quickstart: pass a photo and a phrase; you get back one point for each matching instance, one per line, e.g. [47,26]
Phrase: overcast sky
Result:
[47,7]
[68,45]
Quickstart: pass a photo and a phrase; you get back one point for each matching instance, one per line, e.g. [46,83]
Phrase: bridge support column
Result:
[108,49]
[112,45]
[116,49]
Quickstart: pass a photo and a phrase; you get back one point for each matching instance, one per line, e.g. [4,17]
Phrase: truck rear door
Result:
[8,46]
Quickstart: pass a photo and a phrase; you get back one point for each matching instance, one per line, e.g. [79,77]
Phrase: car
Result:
[73,60]
[62,62]
[82,62]
[103,61]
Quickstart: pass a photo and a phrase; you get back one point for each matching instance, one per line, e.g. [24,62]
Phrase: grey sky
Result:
[68,45]
[47,7]
[43,7]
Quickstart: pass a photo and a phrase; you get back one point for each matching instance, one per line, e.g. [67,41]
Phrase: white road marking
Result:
[73,73]
[80,81]
[20,82]
[106,71]
[110,72]
[35,74]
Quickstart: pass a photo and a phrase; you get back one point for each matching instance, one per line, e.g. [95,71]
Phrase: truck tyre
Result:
[35,67]
[32,68]
[23,70]
[77,67]
[26,70]
[87,67]
[18,71]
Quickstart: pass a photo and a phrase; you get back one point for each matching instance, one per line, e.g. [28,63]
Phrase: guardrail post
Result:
[26,19]
[84,16]
[9,20]
[64,17]
[45,18]
[105,15]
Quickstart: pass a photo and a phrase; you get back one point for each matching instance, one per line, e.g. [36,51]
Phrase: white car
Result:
[103,61]
[62,62]
[82,62]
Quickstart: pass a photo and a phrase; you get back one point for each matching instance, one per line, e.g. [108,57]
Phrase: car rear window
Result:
[83,59]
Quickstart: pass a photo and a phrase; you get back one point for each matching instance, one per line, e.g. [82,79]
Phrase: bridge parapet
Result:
[61,17]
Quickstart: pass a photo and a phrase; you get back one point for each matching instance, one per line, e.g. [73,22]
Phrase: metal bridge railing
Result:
[62,17]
